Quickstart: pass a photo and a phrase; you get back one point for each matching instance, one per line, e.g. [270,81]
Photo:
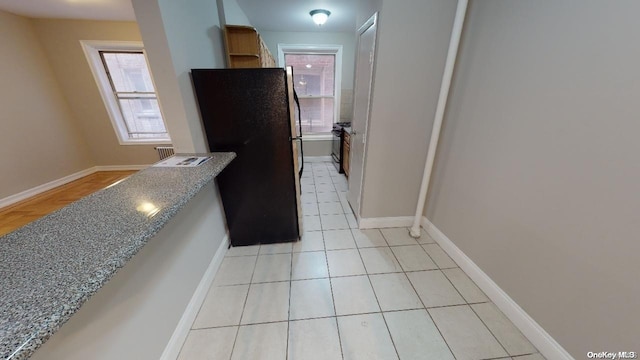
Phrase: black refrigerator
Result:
[252,113]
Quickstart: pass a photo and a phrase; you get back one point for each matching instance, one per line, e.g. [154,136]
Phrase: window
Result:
[126,86]
[316,76]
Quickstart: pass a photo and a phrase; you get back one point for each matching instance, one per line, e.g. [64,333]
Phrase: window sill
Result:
[145,142]
[317,137]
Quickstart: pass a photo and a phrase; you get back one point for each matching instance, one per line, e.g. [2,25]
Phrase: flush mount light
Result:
[308,66]
[319,16]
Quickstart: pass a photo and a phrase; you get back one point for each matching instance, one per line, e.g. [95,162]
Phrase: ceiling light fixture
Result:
[308,66]
[320,16]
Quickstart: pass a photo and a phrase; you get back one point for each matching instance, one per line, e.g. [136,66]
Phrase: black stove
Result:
[336,146]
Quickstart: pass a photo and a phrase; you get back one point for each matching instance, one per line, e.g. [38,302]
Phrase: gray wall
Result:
[179,36]
[413,38]
[537,177]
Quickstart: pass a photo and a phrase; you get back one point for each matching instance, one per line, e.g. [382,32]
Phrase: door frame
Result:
[372,21]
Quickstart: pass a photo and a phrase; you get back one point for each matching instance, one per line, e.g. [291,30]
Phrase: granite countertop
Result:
[51,266]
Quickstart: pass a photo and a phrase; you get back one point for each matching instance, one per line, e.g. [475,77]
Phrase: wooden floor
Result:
[26,211]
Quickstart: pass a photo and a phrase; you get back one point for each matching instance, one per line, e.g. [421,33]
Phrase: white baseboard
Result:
[120,167]
[12,199]
[387,222]
[547,345]
[172,350]
[313,159]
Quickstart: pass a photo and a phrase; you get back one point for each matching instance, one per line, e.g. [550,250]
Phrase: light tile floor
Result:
[344,293]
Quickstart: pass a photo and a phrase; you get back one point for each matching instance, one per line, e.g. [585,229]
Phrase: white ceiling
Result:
[293,15]
[269,15]
[71,9]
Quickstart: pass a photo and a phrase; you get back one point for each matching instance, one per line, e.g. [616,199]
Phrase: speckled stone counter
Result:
[50,267]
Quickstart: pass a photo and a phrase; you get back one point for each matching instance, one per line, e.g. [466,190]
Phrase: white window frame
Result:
[306,49]
[92,50]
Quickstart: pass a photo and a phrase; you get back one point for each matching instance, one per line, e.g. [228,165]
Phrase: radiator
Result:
[164,151]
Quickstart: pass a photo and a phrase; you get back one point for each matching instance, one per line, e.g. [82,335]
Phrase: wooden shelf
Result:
[245,48]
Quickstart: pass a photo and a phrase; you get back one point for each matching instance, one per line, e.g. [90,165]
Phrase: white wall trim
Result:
[91,49]
[119,167]
[314,159]
[172,350]
[547,345]
[23,195]
[385,222]
[12,199]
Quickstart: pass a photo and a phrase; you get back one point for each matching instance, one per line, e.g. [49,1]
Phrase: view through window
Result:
[136,98]
[314,82]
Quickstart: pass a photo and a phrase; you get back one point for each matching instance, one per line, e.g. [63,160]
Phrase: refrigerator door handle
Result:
[295,98]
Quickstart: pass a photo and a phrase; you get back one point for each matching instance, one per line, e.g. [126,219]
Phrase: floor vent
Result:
[164,152]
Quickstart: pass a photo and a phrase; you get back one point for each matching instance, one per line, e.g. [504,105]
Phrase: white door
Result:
[361,106]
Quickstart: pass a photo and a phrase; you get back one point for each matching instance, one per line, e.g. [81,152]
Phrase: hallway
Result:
[343,293]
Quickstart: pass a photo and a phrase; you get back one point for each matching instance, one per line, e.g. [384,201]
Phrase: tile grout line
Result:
[470,307]
[335,311]
[289,307]
[490,332]
[378,301]
[422,302]
[235,340]
[326,256]
[339,316]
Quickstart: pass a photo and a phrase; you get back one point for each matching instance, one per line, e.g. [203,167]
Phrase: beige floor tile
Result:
[266,303]
[243,250]
[338,239]
[273,267]
[235,270]
[261,342]
[379,260]
[310,241]
[311,223]
[365,337]
[368,238]
[425,238]
[398,236]
[229,298]
[434,289]
[439,256]
[413,258]
[311,299]
[395,292]
[354,295]
[466,335]
[279,248]
[330,208]
[535,356]
[309,265]
[416,336]
[208,344]
[334,222]
[315,339]
[465,286]
[345,263]
[507,334]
